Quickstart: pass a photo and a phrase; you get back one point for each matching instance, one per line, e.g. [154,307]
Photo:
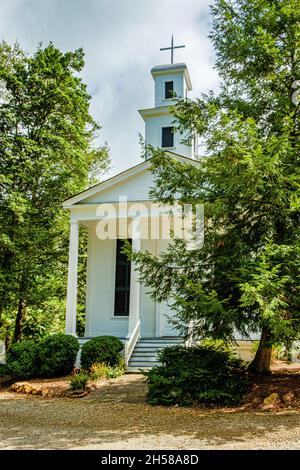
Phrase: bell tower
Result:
[169,80]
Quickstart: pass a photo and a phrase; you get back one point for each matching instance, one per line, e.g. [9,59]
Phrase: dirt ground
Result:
[116,416]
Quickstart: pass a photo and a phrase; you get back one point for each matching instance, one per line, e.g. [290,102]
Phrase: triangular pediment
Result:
[134,184]
[134,188]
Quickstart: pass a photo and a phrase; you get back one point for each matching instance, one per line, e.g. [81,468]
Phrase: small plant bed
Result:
[211,377]
[61,387]
[275,392]
[48,388]
[32,368]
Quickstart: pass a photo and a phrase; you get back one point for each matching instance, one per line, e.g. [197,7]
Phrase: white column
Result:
[72,279]
[157,318]
[157,304]
[134,299]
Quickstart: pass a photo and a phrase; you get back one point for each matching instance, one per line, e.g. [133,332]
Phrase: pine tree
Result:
[246,278]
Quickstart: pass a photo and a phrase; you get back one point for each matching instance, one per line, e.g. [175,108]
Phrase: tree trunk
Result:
[262,360]
[18,333]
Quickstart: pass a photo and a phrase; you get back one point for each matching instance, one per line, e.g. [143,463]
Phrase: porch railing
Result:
[190,338]
[131,342]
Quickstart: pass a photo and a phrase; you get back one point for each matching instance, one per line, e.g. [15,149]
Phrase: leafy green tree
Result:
[245,278]
[46,154]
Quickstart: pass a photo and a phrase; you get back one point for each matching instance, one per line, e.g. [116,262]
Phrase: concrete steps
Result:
[144,355]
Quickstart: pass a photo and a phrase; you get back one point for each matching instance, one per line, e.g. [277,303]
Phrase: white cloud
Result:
[121,39]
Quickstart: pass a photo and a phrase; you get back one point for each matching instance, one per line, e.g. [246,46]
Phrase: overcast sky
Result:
[121,40]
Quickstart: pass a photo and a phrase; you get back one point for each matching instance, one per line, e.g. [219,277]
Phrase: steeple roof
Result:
[169,68]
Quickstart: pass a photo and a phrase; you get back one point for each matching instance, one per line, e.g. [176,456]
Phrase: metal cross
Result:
[171,49]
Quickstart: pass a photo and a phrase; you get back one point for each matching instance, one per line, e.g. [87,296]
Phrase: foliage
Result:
[254,347]
[6,378]
[54,356]
[22,360]
[47,154]
[116,371]
[3,370]
[79,381]
[102,349]
[216,343]
[199,374]
[99,370]
[57,355]
[273,289]
[246,277]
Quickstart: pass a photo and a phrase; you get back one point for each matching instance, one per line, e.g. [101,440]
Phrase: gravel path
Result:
[116,417]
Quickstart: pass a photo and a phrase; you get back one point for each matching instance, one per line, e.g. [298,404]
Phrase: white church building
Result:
[116,303]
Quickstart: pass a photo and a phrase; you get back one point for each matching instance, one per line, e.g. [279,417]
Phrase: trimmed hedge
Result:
[3,370]
[57,355]
[102,349]
[200,374]
[5,377]
[22,360]
[54,356]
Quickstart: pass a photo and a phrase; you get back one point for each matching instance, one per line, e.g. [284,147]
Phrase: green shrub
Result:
[113,373]
[100,370]
[3,370]
[103,349]
[5,376]
[200,374]
[79,381]
[57,355]
[22,360]
[117,371]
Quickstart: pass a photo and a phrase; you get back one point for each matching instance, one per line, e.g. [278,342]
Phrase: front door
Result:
[166,327]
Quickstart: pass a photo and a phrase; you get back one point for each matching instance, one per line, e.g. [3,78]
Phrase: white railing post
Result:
[134,300]
[189,339]
[131,342]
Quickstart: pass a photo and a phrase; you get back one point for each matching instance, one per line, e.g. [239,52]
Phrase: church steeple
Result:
[168,79]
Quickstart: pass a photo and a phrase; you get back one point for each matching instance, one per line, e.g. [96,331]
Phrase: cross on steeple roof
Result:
[171,49]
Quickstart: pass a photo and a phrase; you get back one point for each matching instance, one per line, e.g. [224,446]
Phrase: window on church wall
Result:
[167,137]
[169,89]
[122,281]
